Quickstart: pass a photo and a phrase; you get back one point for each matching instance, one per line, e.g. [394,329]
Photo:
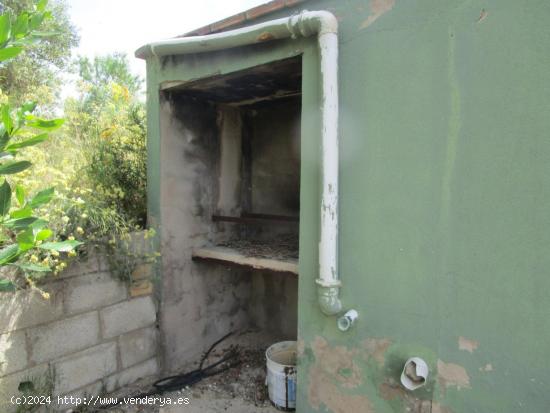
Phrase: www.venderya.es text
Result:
[98,400]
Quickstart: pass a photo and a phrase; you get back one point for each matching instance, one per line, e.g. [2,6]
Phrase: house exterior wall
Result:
[444,227]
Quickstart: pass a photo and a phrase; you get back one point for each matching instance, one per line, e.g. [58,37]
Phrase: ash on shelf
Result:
[281,247]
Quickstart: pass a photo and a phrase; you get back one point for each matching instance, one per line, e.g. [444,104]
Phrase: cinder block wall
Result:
[92,336]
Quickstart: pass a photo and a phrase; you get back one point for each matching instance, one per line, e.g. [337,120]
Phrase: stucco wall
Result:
[91,336]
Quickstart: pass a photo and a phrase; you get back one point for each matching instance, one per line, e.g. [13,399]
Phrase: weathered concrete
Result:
[84,367]
[64,337]
[274,304]
[213,165]
[26,309]
[127,316]
[275,157]
[230,160]
[94,291]
[193,295]
[13,352]
[9,384]
[139,371]
[137,346]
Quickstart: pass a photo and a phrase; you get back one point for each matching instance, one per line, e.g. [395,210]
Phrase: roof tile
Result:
[239,18]
[265,8]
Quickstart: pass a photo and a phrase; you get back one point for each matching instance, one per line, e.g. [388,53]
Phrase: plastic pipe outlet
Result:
[307,23]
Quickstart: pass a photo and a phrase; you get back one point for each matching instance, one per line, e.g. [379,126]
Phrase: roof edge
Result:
[243,17]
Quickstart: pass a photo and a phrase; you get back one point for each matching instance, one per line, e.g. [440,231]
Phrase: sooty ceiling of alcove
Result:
[279,79]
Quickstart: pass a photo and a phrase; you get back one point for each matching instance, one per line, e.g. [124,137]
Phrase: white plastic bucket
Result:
[281,374]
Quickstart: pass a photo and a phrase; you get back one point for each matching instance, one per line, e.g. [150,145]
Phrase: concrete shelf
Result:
[239,256]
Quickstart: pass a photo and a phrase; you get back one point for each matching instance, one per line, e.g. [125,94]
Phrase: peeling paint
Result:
[452,375]
[389,392]
[376,348]
[300,347]
[323,392]
[482,16]
[377,9]
[411,403]
[467,344]
[487,367]
[438,408]
[337,362]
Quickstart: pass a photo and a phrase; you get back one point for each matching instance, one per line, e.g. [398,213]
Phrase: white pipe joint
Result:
[307,23]
[345,322]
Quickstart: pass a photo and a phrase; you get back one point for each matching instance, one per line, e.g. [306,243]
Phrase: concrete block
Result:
[141,288]
[127,316]
[9,384]
[13,352]
[140,243]
[28,308]
[129,376]
[137,346]
[93,291]
[142,272]
[85,367]
[64,337]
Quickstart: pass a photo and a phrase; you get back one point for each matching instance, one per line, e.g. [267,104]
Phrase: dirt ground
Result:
[240,389]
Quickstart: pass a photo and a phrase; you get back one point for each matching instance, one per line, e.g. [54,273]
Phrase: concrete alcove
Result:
[231,163]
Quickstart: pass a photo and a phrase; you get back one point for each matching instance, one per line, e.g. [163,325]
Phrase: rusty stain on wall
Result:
[377,9]
[452,375]
[467,344]
[265,36]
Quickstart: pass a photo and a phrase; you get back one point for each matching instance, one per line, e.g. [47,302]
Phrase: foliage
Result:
[20,229]
[97,165]
[36,73]
[108,120]
[106,70]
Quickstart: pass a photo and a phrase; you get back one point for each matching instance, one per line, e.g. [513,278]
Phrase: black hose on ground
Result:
[190,378]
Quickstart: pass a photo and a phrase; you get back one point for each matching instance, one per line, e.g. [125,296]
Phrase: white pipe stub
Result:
[415,373]
[346,321]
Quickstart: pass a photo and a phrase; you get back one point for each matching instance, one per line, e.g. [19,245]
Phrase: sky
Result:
[108,26]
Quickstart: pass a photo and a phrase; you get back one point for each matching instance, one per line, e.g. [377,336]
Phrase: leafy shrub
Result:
[21,231]
[97,165]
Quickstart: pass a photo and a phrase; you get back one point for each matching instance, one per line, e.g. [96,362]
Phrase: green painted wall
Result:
[445,203]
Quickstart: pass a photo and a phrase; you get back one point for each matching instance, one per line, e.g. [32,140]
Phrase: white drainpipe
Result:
[305,24]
